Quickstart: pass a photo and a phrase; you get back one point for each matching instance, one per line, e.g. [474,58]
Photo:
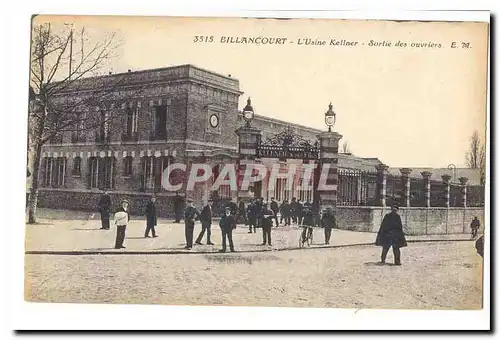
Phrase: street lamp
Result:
[330,117]
[454,168]
[248,112]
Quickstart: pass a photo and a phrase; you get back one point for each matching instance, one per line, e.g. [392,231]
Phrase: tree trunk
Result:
[33,198]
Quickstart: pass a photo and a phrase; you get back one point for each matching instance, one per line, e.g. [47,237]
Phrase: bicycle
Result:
[306,236]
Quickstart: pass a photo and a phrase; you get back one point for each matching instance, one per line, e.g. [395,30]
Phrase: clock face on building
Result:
[214,120]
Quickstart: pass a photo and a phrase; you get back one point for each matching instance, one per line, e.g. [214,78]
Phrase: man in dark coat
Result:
[258,210]
[293,210]
[227,224]
[299,210]
[474,227]
[252,218]
[480,245]
[328,222]
[391,234]
[233,206]
[206,223]
[242,211]
[178,206]
[285,212]
[191,214]
[104,207]
[275,209]
[151,218]
[267,224]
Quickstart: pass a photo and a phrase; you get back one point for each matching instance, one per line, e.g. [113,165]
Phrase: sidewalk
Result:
[81,236]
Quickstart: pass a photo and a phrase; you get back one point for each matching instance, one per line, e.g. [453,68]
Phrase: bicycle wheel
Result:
[310,238]
[301,240]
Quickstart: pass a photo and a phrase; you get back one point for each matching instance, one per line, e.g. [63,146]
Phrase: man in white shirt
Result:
[122,218]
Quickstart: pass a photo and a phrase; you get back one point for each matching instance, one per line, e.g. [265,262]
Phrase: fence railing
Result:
[360,188]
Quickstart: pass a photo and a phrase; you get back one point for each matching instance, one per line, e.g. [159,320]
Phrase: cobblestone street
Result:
[440,275]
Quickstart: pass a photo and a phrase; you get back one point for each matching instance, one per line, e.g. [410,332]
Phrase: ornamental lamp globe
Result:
[330,117]
[248,112]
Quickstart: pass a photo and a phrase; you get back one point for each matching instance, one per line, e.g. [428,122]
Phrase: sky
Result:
[407,106]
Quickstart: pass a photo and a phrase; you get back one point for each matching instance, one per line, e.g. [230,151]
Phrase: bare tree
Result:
[475,157]
[66,82]
[345,147]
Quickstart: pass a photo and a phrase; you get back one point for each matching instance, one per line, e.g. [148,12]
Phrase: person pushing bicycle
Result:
[308,223]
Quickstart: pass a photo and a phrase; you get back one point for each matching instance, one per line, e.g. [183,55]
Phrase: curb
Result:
[178,252]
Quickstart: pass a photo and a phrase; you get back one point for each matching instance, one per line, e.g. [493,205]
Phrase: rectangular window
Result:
[147,173]
[79,128]
[104,123]
[55,172]
[132,120]
[77,165]
[159,122]
[152,172]
[127,169]
[101,172]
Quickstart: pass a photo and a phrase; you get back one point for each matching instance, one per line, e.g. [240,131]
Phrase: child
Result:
[122,218]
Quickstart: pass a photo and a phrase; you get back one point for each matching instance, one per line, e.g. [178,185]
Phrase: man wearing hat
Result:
[206,223]
[151,218]
[328,222]
[267,223]
[104,207]
[191,214]
[227,224]
[391,234]
[122,218]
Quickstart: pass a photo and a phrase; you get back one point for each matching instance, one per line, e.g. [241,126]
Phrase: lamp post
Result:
[454,168]
[248,142]
[330,117]
[248,112]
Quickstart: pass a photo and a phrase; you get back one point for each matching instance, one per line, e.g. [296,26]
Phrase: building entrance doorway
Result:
[282,147]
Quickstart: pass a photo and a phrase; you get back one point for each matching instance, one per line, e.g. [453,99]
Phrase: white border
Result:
[57,316]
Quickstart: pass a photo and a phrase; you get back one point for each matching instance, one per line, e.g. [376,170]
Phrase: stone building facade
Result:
[184,114]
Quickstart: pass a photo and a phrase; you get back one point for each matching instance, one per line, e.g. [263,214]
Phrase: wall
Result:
[416,221]
[87,201]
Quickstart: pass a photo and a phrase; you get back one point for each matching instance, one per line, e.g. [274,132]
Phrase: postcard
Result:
[257,162]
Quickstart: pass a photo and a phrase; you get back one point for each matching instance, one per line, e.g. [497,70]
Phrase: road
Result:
[438,275]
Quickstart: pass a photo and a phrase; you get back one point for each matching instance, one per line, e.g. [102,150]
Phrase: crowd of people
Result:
[258,214]
[255,213]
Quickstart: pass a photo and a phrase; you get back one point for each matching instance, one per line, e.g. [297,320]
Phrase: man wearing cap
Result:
[104,207]
[191,214]
[206,223]
[151,218]
[122,218]
[227,224]
[391,234]
[252,218]
[328,222]
[267,223]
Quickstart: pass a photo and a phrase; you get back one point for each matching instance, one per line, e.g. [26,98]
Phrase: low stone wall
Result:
[416,221]
[87,201]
